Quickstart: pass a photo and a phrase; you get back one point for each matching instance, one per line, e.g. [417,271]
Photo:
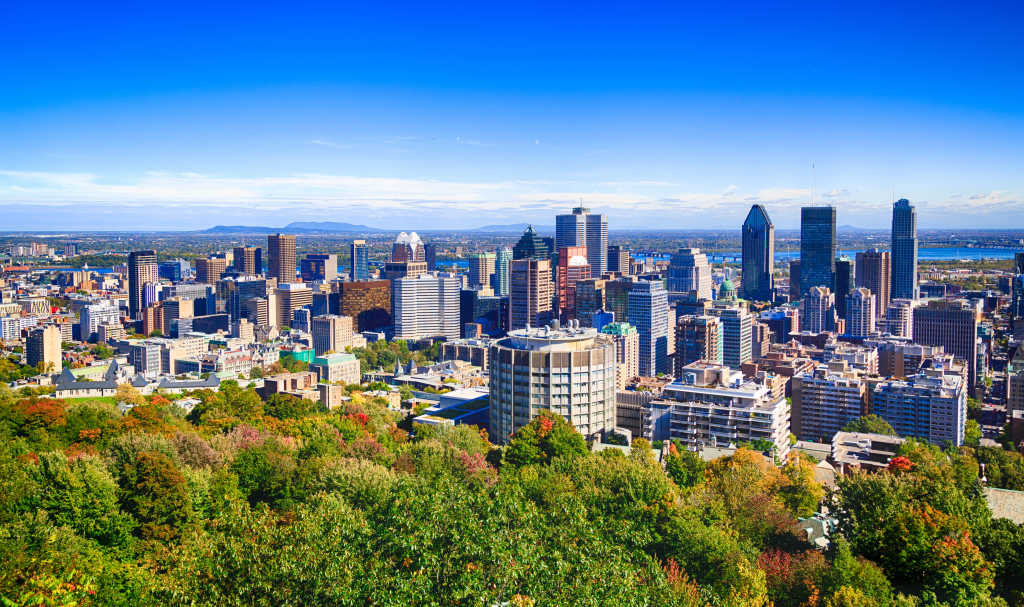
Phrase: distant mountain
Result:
[507,227]
[240,230]
[296,227]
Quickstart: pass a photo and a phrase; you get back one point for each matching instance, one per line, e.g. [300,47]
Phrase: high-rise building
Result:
[845,274]
[794,280]
[758,255]
[502,271]
[648,312]
[393,270]
[931,406]
[290,297]
[589,300]
[367,302]
[817,247]
[952,324]
[697,338]
[281,258]
[572,268]
[359,254]
[210,269]
[899,318]
[481,266]
[94,315]
[530,293]
[331,333]
[408,247]
[570,372]
[819,310]
[860,312]
[825,400]
[904,250]
[582,228]
[142,269]
[430,256]
[531,246]
[873,269]
[426,306]
[627,351]
[248,261]
[689,270]
[43,346]
[174,270]
[618,259]
[319,267]
[782,321]
[737,335]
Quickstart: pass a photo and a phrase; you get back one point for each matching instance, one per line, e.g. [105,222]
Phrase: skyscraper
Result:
[618,259]
[319,267]
[531,246]
[582,228]
[697,338]
[860,312]
[426,306]
[572,268]
[430,256]
[331,333]
[43,346]
[737,335]
[817,247]
[648,312]
[408,247]
[248,260]
[794,280]
[502,269]
[281,259]
[142,268]
[904,250]
[873,269]
[627,351]
[359,254]
[952,324]
[758,255]
[530,293]
[688,271]
[845,273]
[819,310]
[290,297]
[210,269]
[481,266]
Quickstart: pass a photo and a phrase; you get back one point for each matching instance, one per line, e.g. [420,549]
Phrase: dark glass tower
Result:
[531,246]
[758,255]
[817,247]
[844,283]
[904,250]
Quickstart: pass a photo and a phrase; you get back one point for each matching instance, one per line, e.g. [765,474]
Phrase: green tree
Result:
[154,491]
[546,437]
[684,467]
[288,406]
[972,433]
[870,423]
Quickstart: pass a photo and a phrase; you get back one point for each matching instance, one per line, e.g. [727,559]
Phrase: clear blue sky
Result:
[394,115]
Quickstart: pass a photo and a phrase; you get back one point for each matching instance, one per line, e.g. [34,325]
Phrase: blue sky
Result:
[396,115]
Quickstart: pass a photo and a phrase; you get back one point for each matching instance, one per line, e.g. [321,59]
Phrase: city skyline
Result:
[465,120]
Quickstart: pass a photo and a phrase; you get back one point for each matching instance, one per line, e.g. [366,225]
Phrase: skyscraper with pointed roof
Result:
[531,246]
[758,255]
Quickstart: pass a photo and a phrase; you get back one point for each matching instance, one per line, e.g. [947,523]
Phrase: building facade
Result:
[424,307]
[758,259]
[649,313]
[817,247]
[904,250]
[281,258]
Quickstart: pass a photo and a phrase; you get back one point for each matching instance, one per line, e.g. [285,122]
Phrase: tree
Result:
[154,492]
[872,424]
[546,437]
[972,433]
[127,394]
[684,467]
[288,406]
[800,492]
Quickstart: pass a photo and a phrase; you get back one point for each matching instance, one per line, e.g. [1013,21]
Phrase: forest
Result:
[249,502]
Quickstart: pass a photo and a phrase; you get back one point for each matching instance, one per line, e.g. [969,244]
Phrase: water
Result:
[923,254]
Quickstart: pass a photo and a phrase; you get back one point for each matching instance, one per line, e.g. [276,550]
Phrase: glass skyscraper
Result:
[648,312]
[904,250]
[758,255]
[360,255]
[817,247]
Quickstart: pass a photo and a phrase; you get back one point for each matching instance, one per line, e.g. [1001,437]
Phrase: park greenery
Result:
[245,501]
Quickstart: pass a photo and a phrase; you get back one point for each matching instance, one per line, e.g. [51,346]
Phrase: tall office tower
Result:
[873,269]
[931,406]
[825,400]
[427,306]
[952,324]
[844,283]
[904,250]
[758,255]
[697,338]
[572,268]
[290,297]
[531,246]
[530,293]
[1017,297]
[569,372]
[93,315]
[502,271]
[589,300]
[319,267]
[819,310]
[817,247]
[582,228]
[248,261]
[174,271]
[627,351]
[618,259]
[281,259]
[860,312]
[142,268]
[408,247]
[761,338]
[1018,262]
[430,256]
[688,271]
[235,292]
[737,337]
[43,346]
[174,310]
[648,312]
[481,266]
[210,269]
[899,318]
[393,270]
[794,280]
[367,302]
[616,297]
[331,333]
[359,254]
[255,310]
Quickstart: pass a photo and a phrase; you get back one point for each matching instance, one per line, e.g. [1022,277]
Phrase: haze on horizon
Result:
[188,116]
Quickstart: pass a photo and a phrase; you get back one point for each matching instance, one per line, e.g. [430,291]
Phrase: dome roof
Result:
[578,260]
